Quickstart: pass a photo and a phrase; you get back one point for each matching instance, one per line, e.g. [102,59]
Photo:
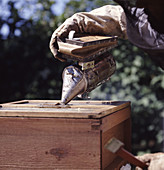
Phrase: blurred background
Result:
[29,71]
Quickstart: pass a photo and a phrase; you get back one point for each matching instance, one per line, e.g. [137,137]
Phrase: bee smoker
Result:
[82,79]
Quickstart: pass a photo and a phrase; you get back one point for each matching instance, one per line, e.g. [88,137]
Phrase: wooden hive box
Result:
[36,134]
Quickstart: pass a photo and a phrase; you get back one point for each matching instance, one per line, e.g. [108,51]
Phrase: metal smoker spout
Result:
[78,80]
[74,83]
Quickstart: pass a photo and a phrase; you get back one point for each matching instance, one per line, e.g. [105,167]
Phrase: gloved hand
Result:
[154,161]
[106,20]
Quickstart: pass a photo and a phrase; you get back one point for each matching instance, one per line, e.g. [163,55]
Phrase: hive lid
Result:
[49,109]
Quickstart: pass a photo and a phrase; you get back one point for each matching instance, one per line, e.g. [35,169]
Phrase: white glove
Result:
[106,20]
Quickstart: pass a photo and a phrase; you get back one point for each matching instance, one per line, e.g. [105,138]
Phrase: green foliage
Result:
[29,71]
[84,5]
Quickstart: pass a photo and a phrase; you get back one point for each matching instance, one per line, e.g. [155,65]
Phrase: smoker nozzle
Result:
[74,83]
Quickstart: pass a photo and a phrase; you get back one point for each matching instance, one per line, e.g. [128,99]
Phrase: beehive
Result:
[37,134]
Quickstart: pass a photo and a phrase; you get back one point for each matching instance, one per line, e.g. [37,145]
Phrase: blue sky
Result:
[26,12]
[59,6]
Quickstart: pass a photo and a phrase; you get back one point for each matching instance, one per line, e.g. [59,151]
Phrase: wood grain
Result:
[49,144]
[76,109]
[73,137]
[120,132]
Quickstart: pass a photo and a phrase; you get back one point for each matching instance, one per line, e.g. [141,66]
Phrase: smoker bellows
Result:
[94,64]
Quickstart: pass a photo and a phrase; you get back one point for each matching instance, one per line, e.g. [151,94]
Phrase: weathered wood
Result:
[76,109]
[62,138]
[92,40]
[115,118]
[86,48]
[49,144]
[120,132]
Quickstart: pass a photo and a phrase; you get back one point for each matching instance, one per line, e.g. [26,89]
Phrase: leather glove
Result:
[106,20]
[154,161]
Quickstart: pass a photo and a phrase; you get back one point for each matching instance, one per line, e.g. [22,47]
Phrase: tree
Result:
[28,69]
